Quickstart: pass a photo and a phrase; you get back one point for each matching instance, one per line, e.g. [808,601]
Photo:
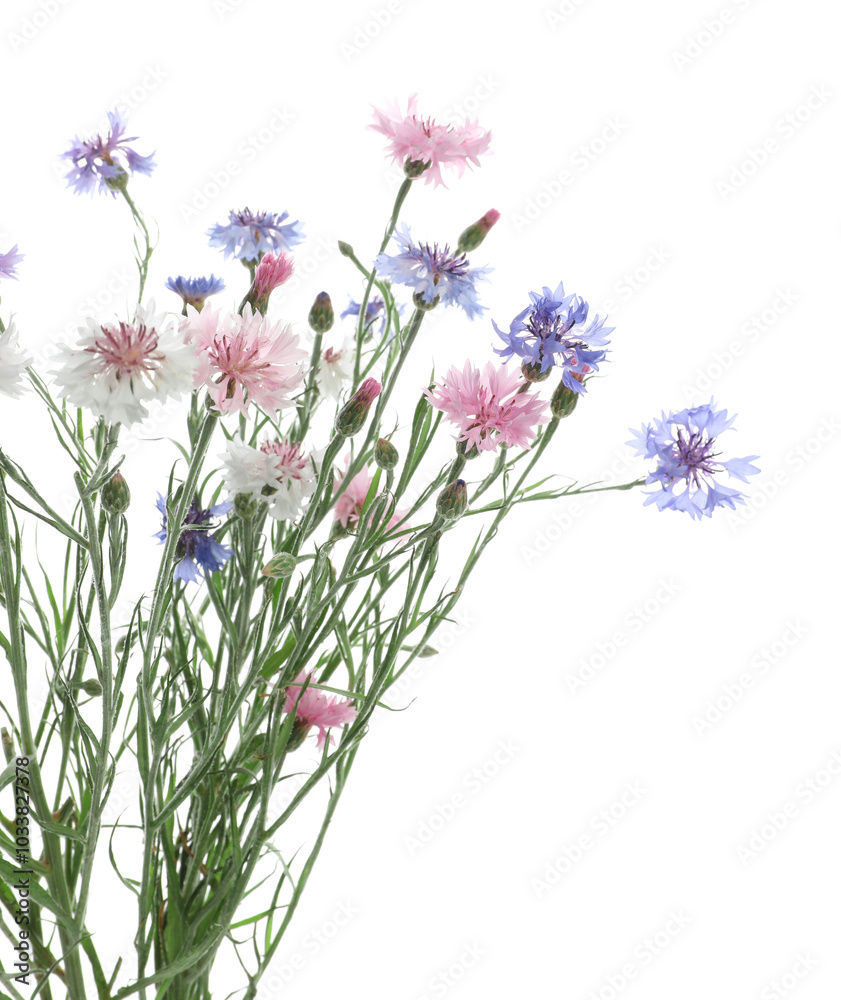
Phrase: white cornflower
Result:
[118,367]
[13,361]
[278,472]
[335,370]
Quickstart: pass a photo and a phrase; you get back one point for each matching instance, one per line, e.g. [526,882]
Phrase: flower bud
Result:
[385,455]
[115,496]
[281,565]
[91,687]
[246,505]
[345,249]
[427,651]
[272,271]
[414,168]
[321,315]
[474,235]
[299,732]
[532,373]
[563,401]
[352,415]
[452,500]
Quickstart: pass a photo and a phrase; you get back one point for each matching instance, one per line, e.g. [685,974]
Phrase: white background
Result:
[708,225]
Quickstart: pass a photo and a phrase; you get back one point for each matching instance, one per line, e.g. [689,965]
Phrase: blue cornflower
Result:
[553,330]
[248,234]
[197,548]
[194,291]
[103,162]
[433,272]
[684,445]
[374,309]
[9,261]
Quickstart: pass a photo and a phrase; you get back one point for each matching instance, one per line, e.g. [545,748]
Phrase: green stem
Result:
[69,935]
[142,262]
[363,307]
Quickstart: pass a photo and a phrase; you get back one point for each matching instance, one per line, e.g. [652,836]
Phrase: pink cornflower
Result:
[488,407]
[414,139]
[352,500]
[245,354]
[317,708]
[271,272]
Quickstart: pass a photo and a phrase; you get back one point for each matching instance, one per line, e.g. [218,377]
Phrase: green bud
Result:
[8,745]
[474,235]
[246,505]
[281,565]
[321,315]
[532,372]
[385,455]
[452,500]
[352,415]
[427,651]
[563,401]
[345,249]
[91,687]
[414,168]
[115,496]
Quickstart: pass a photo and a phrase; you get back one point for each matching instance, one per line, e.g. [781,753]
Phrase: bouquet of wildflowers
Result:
[300,530]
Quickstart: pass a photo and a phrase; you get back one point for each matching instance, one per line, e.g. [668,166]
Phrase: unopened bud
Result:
[272,271]
[321,315]
[532,373]
[563,401]
[91,687]
[427,651]
[281,565]
[385,455]
[414,168]
[452,500]
[115,496]
[474,235]
[352,415]
[345,249]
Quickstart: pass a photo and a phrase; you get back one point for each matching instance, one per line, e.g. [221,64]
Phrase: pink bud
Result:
[271,272]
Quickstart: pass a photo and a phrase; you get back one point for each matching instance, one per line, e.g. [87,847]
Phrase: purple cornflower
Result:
[197,550]
[433,272]
[553,330]
[9,261]
[246,235]
[194,291]
[103,162]
[684,445]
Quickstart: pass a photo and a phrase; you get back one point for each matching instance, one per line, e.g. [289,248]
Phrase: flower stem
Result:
[142,262]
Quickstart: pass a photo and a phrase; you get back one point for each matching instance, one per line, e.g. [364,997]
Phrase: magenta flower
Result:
[316,708]
[245,354]
[488,407]
[272,271]
[423,140]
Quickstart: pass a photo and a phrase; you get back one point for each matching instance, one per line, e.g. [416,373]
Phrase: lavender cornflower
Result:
[375,309]
[433,272]
[194,291]
[246,235]
[9,261]
[103,162]
[197,549]
[553,330]
[684,445]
